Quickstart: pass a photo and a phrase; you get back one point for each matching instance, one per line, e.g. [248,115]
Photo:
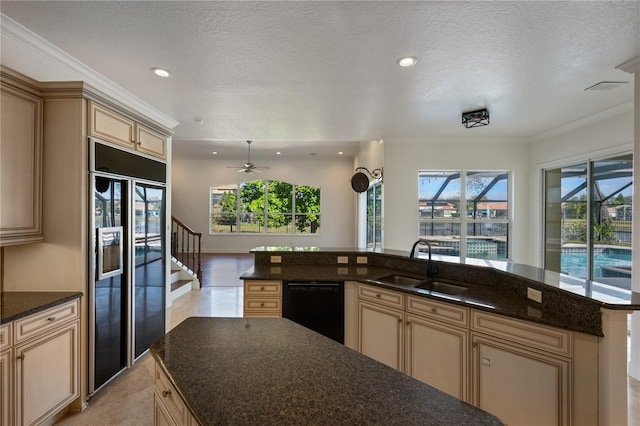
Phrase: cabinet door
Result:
[6,386]
[150,142]
[437,355]
[110,126]
[20,167]
[381,334]
[519,386]
[46,375]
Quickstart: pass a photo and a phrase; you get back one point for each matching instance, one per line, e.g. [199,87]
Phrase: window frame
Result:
[264,229]
[463,221]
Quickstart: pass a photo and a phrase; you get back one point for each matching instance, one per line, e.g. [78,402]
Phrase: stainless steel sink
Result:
[441,287]
[400,280]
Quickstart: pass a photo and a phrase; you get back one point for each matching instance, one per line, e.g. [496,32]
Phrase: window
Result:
[265,206]
[465,213]
[374,216]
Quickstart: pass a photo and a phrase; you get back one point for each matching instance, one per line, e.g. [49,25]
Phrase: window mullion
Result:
[463,214]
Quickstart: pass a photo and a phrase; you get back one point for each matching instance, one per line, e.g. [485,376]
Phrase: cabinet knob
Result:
[20,357]
[400,320]
[408,323]
[138,143]
[51,319]
[378,295]
[166,393]
[262,288]
[486,362]
[434,310]
[474,344]
[262,304]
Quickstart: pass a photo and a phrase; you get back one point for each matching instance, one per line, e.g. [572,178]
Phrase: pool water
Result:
[575,264]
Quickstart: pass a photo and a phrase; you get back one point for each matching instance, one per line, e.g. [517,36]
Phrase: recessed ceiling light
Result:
[340,153]
[215,152]
[161,72]
[407,61]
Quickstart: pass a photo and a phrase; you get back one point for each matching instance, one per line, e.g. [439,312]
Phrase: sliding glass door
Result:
[588,220]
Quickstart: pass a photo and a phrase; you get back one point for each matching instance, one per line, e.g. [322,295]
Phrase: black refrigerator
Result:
[128,254]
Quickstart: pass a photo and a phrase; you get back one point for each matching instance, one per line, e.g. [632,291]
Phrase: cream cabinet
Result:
[532,361]
[111,126]
[168,406]
[20,162]
[521,371]
[263,298]
[381,325]
[40,369]
[437,345]
[6,376]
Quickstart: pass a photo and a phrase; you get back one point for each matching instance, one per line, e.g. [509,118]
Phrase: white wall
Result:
[596,139]
[403,159]
[191,179]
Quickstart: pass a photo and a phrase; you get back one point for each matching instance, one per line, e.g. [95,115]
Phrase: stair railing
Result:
[186,247]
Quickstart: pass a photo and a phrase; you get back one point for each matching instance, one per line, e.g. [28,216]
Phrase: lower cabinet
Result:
[6,400]
[519,386]
[39,372]
[46,375]
[381,334]
[437,355]
[262,298]
[168,406]
[520,371]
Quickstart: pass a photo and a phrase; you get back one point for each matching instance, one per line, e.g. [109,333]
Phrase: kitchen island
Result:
[552,345]
[271,371]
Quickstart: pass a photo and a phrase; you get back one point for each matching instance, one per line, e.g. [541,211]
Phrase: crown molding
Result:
[40,46]
[631,66]
[593,118]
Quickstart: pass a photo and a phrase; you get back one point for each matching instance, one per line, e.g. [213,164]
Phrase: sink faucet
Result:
[431,270]
[416,244]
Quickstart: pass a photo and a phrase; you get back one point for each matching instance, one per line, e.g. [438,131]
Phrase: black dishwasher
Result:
[316,305]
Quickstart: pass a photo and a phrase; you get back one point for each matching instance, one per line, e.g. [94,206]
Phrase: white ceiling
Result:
[322,76]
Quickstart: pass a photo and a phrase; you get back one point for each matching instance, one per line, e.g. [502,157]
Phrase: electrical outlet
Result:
[535,295]
[361,260]
[276,259]
[343,259]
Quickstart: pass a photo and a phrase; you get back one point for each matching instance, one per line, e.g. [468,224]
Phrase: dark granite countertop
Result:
[492,286]
[271,371]
[18,304]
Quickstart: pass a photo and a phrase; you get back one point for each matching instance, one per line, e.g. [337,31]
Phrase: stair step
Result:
[176,285]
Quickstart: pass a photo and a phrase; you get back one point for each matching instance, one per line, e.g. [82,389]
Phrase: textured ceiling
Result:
[322,75]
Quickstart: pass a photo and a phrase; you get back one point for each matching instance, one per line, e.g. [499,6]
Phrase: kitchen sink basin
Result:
[400,280]
[441,287]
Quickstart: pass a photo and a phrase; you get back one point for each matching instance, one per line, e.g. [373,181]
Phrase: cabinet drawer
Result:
[45,321]
[5,337]
[383,296]
[170,398]
[263,288]
[263,305]
[439,311]
[533,335]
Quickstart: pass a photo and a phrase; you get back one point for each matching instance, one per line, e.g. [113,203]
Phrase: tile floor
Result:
[128,399]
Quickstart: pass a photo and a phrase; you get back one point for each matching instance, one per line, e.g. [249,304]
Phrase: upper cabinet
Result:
[20,162]
[110,126]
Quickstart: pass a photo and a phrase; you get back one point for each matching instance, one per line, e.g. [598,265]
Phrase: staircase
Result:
[186,266]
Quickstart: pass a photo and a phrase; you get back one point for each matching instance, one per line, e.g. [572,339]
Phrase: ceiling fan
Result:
[249,167]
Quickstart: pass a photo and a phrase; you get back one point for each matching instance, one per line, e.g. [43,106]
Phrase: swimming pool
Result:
[574,262]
